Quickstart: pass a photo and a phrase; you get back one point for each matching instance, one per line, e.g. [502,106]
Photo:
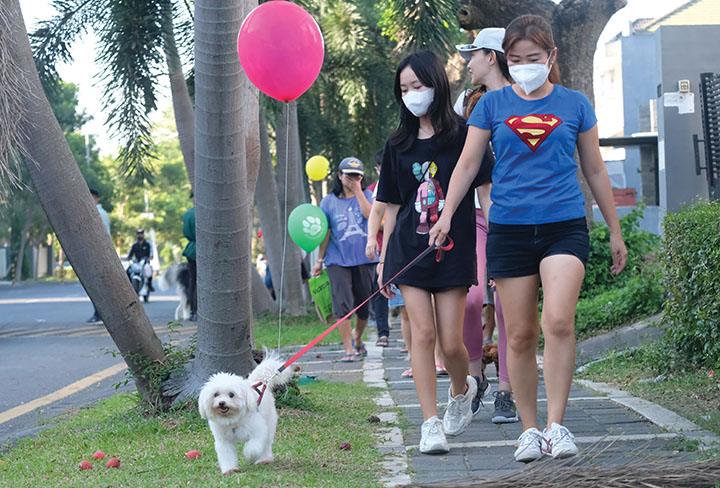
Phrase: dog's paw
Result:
[231,471]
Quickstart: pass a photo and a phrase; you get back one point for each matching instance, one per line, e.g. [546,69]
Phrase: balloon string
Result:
[285,219]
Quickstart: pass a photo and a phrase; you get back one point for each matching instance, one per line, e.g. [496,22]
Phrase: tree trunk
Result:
[182,105]
[576,24]
[70,209]
[288,160]
[222,201]
[21,248]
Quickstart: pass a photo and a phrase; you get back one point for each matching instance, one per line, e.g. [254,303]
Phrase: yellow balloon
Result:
[317,167]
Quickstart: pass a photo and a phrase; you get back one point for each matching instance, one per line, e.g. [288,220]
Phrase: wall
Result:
[683,52]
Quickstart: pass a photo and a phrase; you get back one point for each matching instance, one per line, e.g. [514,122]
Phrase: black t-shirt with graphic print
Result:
[418,180]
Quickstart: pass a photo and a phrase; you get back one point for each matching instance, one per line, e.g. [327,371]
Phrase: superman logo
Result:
[533,129]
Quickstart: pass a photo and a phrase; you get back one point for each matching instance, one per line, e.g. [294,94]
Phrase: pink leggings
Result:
[472,325]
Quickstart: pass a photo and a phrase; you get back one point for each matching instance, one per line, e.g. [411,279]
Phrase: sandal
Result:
[382,342]
[404,349]
[440,370]
[348,358]
[360,350]
[407,373]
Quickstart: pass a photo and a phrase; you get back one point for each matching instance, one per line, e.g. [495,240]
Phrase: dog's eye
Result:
[231,395]
[217,394]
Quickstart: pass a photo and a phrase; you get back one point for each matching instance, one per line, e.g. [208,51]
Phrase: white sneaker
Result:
[458,413]
[529,446]
[559,442]
[432,437]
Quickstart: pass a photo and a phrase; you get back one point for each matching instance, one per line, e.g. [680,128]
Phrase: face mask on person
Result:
[418,102]
[530,77]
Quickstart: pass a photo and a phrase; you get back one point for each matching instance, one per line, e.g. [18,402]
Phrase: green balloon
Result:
[307,226]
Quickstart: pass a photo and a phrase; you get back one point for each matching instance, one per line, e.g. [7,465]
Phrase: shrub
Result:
[641,296]
[639,243]
[692,278]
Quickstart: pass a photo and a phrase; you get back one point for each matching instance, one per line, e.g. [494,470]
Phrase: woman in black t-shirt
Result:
[418,160]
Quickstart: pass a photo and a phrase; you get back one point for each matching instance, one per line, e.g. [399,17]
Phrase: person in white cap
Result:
[489,71]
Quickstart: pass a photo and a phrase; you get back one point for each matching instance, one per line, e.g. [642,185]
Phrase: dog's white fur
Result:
[229,403]
[177,274]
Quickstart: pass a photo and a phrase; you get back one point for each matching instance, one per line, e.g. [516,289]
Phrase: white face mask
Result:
[530,77]
[418,102]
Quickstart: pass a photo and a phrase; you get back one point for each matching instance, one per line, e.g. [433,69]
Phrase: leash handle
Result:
[408,266]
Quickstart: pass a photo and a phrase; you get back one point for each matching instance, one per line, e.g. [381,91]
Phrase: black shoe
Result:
[193,317]
[482,391]
[505,411]
[94,320]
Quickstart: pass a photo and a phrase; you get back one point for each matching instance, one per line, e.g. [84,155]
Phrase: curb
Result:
[656,414]
[390,440]
[631,336]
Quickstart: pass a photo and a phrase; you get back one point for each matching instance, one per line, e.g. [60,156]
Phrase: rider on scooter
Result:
[142,249]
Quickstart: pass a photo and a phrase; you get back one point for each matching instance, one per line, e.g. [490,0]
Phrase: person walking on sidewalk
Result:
[96,319]
[418,160]
[342,251]
[537,231]
[190,254]
[489,71]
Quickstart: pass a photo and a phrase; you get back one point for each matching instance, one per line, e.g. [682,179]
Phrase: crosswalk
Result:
[86,331]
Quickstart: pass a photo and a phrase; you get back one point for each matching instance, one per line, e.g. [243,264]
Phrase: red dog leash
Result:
[438,258]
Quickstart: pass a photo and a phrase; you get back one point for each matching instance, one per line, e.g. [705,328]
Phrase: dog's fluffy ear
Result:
[205,401]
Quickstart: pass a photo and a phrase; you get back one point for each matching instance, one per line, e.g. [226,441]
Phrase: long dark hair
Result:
[446,123]
[535,29]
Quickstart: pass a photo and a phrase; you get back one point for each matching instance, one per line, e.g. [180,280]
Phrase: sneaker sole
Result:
[528,459]
[565,454]
[436,450]
[505,420]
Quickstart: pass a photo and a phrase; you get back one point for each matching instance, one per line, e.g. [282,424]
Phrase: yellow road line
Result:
[61,331]
[61,393]
[23,332]
[29,301]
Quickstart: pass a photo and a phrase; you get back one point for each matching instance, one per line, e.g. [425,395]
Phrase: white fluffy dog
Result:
[230,405]
[178,274]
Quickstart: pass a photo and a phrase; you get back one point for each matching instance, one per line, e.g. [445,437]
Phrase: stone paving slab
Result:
[607,431]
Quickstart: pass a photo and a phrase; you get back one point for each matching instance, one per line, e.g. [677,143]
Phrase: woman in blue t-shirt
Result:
[342,251]
[537,230]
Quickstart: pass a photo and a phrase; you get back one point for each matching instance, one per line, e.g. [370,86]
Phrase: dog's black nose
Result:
[222,404]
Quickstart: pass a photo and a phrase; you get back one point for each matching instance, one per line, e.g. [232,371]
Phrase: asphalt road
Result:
[48,354]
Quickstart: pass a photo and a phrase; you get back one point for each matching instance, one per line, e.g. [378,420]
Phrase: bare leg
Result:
[520,299]
[360,325]
[419,307]
[345,329]
[449,312]
[405,329]
[562,276]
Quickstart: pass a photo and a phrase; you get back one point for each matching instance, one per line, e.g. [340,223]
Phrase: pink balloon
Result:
[281,49]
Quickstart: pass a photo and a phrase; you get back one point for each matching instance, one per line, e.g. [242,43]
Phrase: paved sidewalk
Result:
[607,429]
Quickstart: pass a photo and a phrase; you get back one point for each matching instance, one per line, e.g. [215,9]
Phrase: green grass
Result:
[151,448]
[295,330]
[691,392]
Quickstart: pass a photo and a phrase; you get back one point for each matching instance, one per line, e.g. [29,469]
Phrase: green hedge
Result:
[641,296]
[692,278]
[639,243]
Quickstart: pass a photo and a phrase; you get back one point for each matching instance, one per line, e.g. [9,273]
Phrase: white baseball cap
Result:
[490,38]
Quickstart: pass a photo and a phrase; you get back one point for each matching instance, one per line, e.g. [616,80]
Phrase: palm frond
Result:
[421,24]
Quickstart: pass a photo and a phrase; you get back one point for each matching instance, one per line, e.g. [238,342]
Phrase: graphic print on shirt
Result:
[533,129]
[350,225]
[430,200]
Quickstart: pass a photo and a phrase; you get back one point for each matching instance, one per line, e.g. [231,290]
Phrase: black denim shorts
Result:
[516,250]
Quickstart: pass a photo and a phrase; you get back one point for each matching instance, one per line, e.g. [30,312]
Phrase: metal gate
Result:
[710,111]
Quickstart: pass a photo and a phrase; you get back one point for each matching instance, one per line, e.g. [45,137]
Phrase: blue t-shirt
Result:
[535,175]
[348,230]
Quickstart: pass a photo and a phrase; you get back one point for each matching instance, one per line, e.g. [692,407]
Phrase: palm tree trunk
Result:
[66,200]
[222,201]
[182,104]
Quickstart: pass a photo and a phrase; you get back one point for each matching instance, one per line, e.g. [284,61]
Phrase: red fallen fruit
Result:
[85,465]
[192,454]
[297,368]
[319,356]
[344,446]
[113,463]
[99,455]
